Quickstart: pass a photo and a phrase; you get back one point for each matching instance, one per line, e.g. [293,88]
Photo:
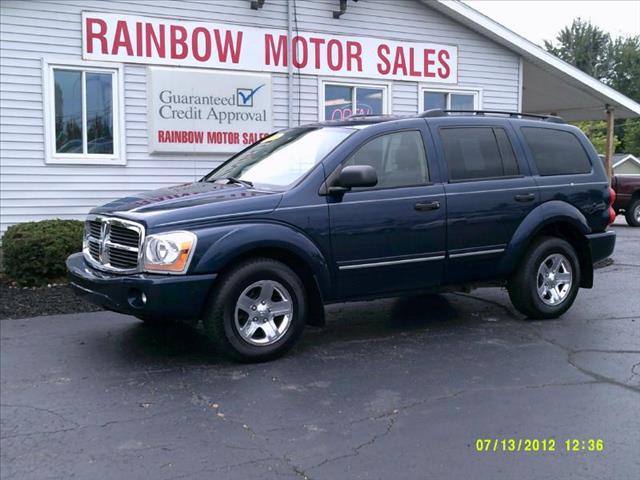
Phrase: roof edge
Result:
[630,156]
[519,44]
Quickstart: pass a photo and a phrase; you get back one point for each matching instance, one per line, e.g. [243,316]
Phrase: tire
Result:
[632,214]
[553,298]
[245,323]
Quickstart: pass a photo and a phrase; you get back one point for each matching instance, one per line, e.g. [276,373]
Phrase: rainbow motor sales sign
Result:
[161,41]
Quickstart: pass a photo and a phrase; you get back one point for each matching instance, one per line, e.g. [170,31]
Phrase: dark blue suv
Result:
[363,208]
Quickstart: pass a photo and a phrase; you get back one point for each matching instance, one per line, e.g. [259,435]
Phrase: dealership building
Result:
[103,99]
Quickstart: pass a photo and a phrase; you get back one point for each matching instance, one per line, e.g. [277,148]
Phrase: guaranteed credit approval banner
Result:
[200,111]
[162,41]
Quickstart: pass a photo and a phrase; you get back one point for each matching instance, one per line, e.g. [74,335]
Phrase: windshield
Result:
[281,159]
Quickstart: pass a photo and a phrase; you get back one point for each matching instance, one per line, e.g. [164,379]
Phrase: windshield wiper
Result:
[246,183]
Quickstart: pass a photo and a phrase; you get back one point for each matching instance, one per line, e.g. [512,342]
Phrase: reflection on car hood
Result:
[180,196]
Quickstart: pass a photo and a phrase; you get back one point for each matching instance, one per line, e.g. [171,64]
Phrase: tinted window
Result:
[474,153]
[556,152]
[398,159]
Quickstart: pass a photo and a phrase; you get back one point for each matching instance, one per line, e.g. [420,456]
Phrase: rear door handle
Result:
[525,197]
[424,206]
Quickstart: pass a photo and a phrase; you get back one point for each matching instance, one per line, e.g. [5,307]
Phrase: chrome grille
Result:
[113,244]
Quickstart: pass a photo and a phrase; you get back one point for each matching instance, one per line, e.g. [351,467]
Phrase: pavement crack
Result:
[568,351]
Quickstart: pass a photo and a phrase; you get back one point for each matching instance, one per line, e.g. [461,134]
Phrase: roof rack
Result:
[437,112]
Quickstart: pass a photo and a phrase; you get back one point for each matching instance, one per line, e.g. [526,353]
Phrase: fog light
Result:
[136,298]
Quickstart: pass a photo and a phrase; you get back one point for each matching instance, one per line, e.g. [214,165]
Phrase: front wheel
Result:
[547,282]
[257,311]
[632,215]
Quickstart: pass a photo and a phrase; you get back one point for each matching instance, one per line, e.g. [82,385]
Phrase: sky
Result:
[539,20]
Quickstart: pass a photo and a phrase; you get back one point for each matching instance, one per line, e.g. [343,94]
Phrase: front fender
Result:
[545,214]
[219,246]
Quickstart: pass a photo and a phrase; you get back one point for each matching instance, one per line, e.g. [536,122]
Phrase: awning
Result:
[550,85]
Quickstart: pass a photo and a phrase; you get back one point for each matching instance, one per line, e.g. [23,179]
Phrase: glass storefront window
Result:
[342,101]
[449,100]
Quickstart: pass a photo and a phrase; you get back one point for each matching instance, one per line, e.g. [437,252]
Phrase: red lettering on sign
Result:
[121,38]
[385,67]
[195,44]
[178,40]
[317,43]
[277,52]
[139,39]
[428,62]
[354,52]
[180,136]
[444,70]
[399,62]
[228,47]
[334,45]
[157,41]
[96,35]
[299,53]
[412,64]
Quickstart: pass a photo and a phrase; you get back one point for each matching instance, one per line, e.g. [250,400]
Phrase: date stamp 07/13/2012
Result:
[511,444]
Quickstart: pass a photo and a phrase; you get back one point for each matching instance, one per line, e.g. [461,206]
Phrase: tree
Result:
[597,133]
[615,62]
[624,75]
[631,139]
[585,46]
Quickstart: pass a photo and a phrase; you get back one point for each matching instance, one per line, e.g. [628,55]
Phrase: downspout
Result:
[289,64]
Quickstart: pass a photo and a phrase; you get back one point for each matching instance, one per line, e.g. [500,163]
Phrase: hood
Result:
[190,201]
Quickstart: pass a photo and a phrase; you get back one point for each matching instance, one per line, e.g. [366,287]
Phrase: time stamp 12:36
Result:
[511,444]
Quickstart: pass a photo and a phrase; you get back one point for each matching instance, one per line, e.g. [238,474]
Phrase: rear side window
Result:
[474,153]
[556,152]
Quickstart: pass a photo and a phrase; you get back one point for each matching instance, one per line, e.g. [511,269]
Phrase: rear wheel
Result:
[258,311]
[632,215]
[547,282]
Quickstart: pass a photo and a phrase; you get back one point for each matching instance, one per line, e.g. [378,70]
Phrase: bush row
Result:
[34,253]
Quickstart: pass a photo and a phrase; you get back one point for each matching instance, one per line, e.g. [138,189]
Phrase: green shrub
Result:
[35,252]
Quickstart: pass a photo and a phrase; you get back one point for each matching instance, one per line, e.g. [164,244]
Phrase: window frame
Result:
[476,92]
[520,174]
[323,82]
[532,158]
[337,171]
[118,118]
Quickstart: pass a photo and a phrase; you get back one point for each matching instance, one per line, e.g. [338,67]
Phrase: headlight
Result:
[169,252]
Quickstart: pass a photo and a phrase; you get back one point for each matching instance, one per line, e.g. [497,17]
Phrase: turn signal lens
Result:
[169,252]
[612,212]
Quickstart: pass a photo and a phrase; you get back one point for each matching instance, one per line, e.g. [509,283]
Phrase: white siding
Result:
[33,30]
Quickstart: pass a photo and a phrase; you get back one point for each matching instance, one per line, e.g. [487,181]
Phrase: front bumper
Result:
[167,296]
[601,245]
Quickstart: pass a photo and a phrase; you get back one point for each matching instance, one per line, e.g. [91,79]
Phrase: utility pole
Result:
[608,157]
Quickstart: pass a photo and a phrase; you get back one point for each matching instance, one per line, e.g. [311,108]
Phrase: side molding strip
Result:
[390,262]
[471,254]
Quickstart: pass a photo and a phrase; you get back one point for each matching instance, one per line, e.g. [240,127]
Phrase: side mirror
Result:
[355,176]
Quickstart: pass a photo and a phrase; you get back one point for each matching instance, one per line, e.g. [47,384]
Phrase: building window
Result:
[449,100]
[343,100]
[83,104]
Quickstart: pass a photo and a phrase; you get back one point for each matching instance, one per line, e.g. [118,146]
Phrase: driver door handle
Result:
[424,206]
[525,197]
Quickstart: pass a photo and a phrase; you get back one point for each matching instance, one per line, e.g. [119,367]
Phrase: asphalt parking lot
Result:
[391,389]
